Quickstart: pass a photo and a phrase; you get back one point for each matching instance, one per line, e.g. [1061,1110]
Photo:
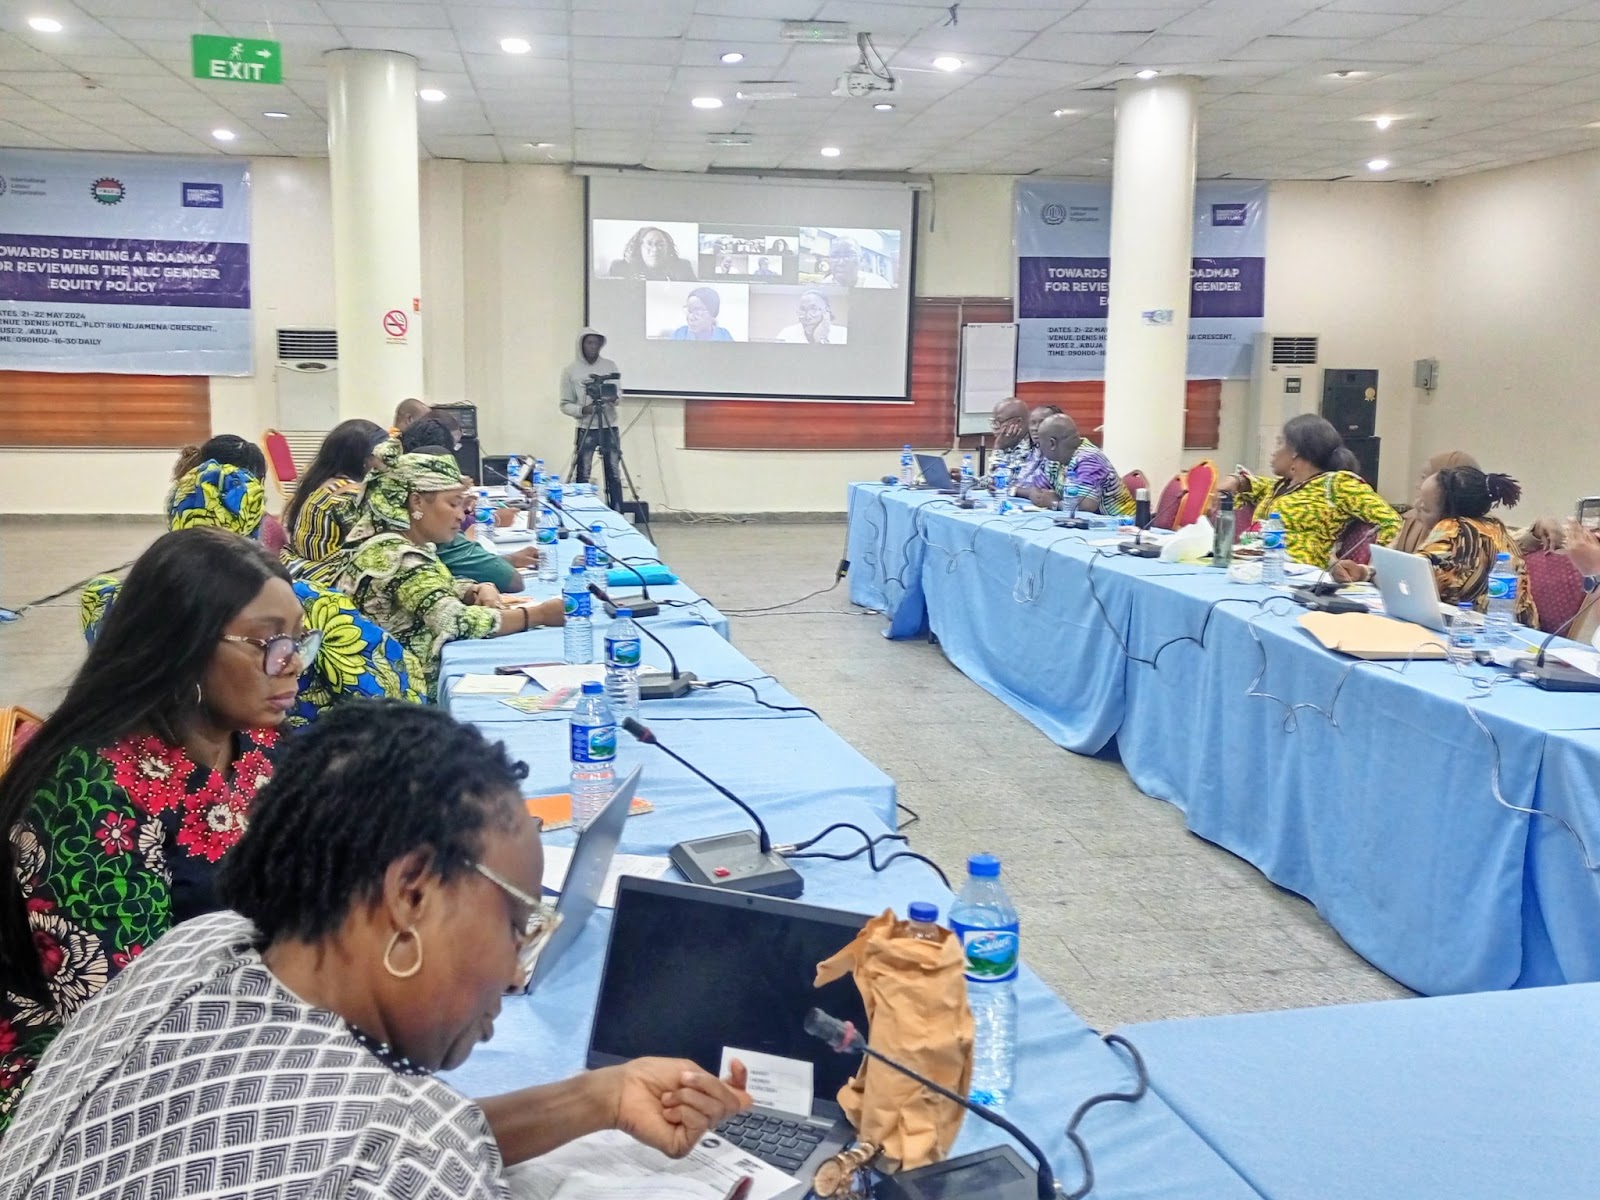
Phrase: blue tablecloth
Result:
[1456,1098]
[1368,789]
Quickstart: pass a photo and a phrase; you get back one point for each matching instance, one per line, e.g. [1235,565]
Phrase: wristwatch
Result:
[1591,583]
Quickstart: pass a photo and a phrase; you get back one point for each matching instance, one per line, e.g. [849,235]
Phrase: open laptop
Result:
[586,876]
[691,971]
[1408,588]
[936,473]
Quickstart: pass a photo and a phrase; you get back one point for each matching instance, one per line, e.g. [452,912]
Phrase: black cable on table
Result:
[756,696]
[1073,1136]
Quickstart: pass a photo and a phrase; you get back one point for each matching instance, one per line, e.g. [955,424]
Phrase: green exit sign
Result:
[236,60]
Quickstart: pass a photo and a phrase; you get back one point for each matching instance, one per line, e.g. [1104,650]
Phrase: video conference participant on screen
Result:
[700,312]
[764,269]
[844,264]
[651,254]
[814,322]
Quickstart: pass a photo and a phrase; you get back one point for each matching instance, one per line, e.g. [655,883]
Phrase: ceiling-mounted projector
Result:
[859,81]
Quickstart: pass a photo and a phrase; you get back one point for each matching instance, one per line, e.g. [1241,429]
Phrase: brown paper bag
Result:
[915,994]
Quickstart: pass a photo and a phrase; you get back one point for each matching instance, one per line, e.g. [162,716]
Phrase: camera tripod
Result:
[598,431]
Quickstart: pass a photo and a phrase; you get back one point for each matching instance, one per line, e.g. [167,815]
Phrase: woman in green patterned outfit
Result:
[390,568]
[119,808]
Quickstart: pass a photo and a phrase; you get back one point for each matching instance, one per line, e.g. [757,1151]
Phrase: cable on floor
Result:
[749,612]
[71,588]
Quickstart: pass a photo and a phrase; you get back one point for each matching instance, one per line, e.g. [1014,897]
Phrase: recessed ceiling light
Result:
[1348,74]
[732,56]
[223,135]
[883,106]
[44,24]
[947,62]
[1064,112]
[431,95]
[540,145]
[515,45]
[830,152]
[706,102]
[1378,164]
[1147,73]
[276,116]
[1383,122]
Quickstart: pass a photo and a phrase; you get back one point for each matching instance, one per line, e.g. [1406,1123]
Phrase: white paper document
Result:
[612,1166]
[552,677]
[558,861]
[784,1084]
[488,685]
[1576,656]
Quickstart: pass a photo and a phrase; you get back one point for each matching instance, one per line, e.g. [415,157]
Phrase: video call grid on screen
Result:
[810,300]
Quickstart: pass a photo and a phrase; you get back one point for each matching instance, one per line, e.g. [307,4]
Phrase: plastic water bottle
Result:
[1000,485]
[622,665]
[593,734]
[985,920]
[908,467]
[538,480]
[1069,493]
[922,921]
[967,474]
[485,516]
[513,472]
[1502,614]
[552,491]
[575,602]
[594,557]
[549,542]
[1463,638]
[1272,543]
[1222,539]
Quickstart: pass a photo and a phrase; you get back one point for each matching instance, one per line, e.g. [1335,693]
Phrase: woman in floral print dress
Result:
[121,806]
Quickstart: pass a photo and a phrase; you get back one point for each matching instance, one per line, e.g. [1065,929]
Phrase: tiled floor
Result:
[1127,915]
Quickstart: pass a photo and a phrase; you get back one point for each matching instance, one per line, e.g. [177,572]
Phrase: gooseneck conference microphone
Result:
[653,686]
[740,862]
[643,607]
[995,1174]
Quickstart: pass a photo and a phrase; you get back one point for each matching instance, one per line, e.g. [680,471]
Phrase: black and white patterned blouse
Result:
[195,1073]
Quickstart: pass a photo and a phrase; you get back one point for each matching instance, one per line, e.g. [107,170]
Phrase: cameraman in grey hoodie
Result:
[597,420]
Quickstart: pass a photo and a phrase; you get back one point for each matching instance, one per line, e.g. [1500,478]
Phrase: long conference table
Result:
[1445,823]
[801,777]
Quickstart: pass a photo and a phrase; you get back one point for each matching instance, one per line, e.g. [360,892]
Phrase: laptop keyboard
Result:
[783,1143]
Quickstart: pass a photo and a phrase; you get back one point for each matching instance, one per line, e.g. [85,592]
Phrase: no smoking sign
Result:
[395,325]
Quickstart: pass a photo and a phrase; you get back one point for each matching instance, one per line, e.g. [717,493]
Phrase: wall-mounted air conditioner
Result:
[307,380]
[1286,381]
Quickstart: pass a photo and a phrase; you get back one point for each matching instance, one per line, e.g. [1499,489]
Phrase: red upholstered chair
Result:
[17,725]
[285,474]
[1199,481]
[1133,481]
[1244,519]
[1355,543]
[1557,587]
[1166,510]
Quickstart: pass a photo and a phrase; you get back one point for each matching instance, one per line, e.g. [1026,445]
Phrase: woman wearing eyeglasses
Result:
[121,806]
[385,899]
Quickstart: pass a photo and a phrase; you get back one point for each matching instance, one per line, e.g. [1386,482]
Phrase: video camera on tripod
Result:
[602,389]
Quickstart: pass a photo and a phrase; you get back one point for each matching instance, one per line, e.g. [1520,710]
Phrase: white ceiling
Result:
[1476,83]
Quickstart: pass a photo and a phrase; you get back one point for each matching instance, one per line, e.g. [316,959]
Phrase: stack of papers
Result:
[612,1166]
[558,861]
[488,685]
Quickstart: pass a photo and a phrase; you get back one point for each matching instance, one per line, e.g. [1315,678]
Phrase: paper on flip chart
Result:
[609,1165]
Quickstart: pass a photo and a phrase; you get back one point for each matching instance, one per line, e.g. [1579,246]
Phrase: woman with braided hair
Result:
[385,899]
[1463,540]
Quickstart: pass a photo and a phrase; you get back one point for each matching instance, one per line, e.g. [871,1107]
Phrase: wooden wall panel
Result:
[1084,401]
[927,420]
[47,408]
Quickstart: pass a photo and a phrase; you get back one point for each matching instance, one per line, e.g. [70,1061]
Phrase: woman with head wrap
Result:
[390,568]
[357,658]
[700,311]
[1414,529]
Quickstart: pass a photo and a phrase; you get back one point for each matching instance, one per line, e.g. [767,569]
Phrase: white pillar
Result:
[377,230]
[1152,236]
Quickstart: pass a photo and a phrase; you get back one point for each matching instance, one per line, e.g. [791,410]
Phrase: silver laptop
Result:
[1408,588]
[692,971]
[936,473]
[586,876]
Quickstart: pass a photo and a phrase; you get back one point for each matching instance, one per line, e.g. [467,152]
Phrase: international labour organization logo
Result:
[3,185]
[108,190]
[1053,214]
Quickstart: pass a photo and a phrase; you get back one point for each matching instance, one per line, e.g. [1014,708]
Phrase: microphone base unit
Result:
[999,1173]
[1556,676]
[1307,598]
[1071,523]
[641,607]
[666,687]
[734,862]
[1140,549]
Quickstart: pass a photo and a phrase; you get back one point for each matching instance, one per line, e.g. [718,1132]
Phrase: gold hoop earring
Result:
[389,951]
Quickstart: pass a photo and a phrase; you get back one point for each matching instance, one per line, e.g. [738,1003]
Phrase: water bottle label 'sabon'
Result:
[991,953]
[594,743]
[575,604]
[624,652]
[1502,587]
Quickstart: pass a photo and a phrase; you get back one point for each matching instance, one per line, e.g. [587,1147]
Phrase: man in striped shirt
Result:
[1063,449]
